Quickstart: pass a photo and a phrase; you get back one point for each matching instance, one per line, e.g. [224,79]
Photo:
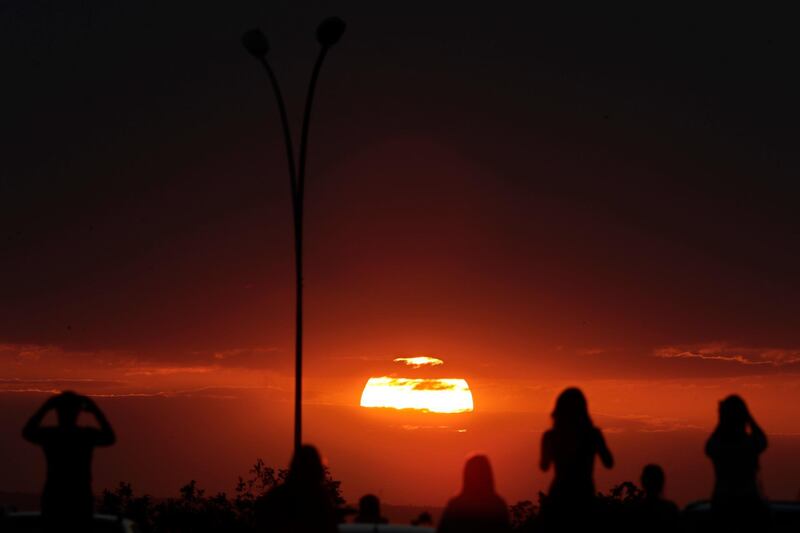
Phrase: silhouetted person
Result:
[478,507]
[654,513]
[67,500]
[302,504]
[571,446]
[423,520]
[369,510]
[733,448]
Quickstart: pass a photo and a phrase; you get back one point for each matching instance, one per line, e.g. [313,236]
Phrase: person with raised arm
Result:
[734,449]
[67,499]
[571,446]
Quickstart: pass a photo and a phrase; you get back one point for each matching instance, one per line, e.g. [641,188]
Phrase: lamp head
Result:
[330,31]
[256,43]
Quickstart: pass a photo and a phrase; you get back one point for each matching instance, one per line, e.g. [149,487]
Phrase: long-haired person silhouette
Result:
[302,504]
[571,446]
[67,500]
[734,448]
[477,507]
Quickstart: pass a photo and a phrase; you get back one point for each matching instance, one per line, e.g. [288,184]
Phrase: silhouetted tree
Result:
[194,511]
[122,502]
[523,514]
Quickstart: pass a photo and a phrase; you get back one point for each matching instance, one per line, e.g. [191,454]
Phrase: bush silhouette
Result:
[194,511]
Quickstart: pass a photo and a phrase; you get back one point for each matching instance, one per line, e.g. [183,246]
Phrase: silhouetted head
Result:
[68,406]
[733,414]
[369,509]
[653,480]
[424,519]
[571,410]
[478,477]
[306,469]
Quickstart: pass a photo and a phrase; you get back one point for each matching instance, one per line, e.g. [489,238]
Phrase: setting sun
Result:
[446,395]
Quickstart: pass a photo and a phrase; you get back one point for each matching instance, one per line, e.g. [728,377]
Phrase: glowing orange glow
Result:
[445,395]
[417,362]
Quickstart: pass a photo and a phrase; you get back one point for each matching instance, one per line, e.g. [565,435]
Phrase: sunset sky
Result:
[539,196]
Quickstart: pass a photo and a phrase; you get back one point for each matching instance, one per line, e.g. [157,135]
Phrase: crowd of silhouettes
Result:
[301,500]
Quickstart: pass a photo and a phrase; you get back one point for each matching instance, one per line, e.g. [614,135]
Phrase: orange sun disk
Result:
[435,395]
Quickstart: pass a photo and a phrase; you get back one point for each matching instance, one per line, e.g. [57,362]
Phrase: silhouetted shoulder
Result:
[548,438]
[602,448]
[464,515]
[712,445]
[546,451]
[39,435]
[598,439]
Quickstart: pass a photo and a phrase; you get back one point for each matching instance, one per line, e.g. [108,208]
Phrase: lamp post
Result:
[329,32]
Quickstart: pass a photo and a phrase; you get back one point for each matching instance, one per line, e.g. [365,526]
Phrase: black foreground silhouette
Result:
[369,510]
[305,498]
[302,503]
[734,449]
[571,446]
[477,508]
[67,499]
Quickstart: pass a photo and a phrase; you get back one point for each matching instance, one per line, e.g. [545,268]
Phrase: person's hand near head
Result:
[89,405]
[32,431]
[106,436]
[52,402]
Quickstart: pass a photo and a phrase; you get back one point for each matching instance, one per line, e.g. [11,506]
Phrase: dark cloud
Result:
[433,384]
[744,355]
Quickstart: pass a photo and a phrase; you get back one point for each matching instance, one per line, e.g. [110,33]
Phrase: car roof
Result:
[383,528]
[31,515]
[784,506]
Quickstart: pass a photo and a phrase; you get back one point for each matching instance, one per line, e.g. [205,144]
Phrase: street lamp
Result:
[329,32]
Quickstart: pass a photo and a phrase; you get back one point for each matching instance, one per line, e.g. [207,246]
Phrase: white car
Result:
[31,522]
[785,516]
[383,528]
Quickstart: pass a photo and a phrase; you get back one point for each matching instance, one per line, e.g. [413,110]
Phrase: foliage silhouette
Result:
[194,511]
[616,508]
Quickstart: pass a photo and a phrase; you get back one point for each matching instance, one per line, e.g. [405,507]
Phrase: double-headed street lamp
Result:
[329,32]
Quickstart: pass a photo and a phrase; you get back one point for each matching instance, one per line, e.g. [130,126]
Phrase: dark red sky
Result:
[539,195]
